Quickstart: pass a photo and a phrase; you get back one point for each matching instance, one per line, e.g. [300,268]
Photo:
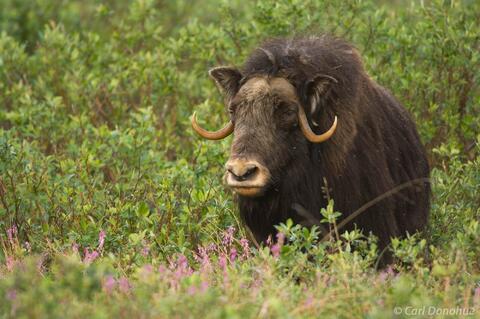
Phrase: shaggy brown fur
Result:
[375,148]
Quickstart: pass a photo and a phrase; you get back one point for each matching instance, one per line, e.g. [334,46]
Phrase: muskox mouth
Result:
[243,188]
[246,191]
[245,177]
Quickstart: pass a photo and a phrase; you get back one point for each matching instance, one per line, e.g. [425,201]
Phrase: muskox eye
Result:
[280,106]
[231,111]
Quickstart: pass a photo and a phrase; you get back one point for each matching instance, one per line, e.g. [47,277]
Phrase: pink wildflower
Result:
[275,249]
[203,259]
[162,269]
[90,256]
[212,248]
[124,285]
[222,261]
[233,255]
[204,286]
[12,234]
[101,239]
[10,263]
[182,269]
[387,273]
[148,268]
[75,247]
[309,301]
[109,284]
[12,297]
[145,250]
[192,290]
[228,236]
[245,248]
[12,294]
[182,261]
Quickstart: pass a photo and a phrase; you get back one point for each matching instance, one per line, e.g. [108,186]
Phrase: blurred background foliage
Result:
[95,99]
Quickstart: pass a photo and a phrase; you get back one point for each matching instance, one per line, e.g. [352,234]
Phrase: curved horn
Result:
[307,131]
[217,135]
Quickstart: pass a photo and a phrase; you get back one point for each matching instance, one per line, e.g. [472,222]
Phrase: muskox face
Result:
[266,136]
[271,131]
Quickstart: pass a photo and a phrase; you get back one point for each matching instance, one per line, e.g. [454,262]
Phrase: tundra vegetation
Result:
[111,206]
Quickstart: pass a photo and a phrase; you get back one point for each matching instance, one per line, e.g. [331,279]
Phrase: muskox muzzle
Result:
[246,177]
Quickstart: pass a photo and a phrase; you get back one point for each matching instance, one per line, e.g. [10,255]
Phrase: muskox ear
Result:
[227,79]
[318,90]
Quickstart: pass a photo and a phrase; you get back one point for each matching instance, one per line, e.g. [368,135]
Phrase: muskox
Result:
[309,124]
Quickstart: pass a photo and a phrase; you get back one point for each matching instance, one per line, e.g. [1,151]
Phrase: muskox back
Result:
[374,160]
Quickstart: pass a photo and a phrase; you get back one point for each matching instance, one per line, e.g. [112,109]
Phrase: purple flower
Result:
[148,268]
[257,283]
[212,247]
[162,269]
[109,284]
[275,249]
[101,239]
[182,261]
[233,255]
[145,250]
[180,269]
[75,247]
[90,256]
[222,261]
[10,263]
[192,290]
[203,259]
[11,234]
[309,301]
[228,236]
[124,285]
[245,248]
[12,294]
[384,275]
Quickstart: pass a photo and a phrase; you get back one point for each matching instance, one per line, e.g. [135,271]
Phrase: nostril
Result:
[243,172]
[250,171]
[230,170]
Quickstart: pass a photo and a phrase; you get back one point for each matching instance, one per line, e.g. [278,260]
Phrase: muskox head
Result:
[270,127]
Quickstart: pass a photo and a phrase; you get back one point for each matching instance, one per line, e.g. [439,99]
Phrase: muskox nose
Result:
[241,170]
[247,177]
